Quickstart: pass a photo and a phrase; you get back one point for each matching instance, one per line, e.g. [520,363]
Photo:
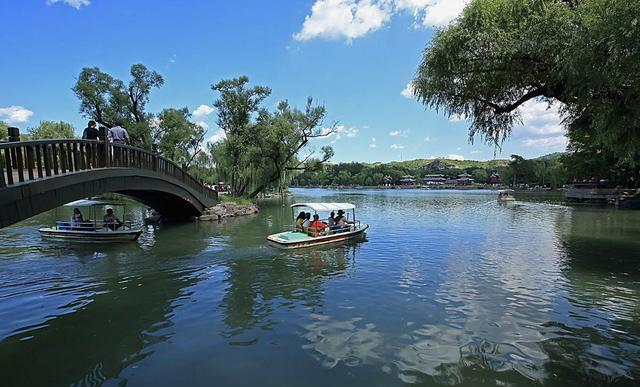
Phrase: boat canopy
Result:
[88,202]
[506,191]
[325,206]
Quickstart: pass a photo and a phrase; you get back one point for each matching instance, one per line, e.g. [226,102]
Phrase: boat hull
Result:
[277,241]
[90,236]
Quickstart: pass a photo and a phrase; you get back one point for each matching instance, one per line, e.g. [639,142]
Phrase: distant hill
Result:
[551,156]
[460,164]
[449,163]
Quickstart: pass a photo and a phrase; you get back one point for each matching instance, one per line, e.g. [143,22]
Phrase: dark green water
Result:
[449,289]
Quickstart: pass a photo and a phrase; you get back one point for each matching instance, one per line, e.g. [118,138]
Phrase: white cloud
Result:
[399,133]
[441,12]
[338,133]
[348,19]
[427,139]
[351,19]
[409,91]
[397,146]
[203,125]
[172,59]
[201,112]
[373,144]
[476,152]
[538,118]
[453,156]
[15,114]
[218,136]
[541,127]
[553,143]
[350,132]
[73,3]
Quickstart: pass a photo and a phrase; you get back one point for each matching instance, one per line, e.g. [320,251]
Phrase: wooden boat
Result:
[506,195]
[92,231]
[311,237]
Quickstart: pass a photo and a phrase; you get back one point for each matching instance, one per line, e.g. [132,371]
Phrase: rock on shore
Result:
[228,210]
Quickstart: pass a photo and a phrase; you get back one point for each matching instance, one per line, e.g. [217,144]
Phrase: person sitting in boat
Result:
[342,223]
[307,221]
[76,218]
[299,220]
[111,221]
[331,222]
[317,227]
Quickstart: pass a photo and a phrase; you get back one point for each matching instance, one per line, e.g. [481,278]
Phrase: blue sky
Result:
[354,56]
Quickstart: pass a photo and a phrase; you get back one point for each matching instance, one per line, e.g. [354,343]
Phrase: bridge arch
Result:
[38,176]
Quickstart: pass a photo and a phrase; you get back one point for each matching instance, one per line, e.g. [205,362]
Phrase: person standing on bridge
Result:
[119,135]
[90,132]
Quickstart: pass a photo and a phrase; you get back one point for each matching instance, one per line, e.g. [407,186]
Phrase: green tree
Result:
[178,138]
[4,134]
[522,170]
[583,54]
[263,149]
[51,130]
[111,102]
[480,175]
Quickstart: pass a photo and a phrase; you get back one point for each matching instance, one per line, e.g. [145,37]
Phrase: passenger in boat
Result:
[300,220]
[76,218]
[341,222]
[317,227]
[331,222]
[110,220]
[307,221]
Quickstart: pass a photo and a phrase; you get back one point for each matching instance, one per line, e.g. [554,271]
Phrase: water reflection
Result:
[449,289]
[255,287]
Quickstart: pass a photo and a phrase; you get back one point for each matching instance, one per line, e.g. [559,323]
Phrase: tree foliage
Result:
[583,54]
[178,138]
[111,102]
[262,148]
[4,134]
[51,130]
[545,171]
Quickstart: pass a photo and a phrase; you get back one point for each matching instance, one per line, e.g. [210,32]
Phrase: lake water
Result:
[450,288]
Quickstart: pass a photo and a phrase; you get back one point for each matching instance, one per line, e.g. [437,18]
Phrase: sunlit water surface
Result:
[449,288]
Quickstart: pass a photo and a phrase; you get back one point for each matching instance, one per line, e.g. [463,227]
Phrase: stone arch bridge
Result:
[37,176]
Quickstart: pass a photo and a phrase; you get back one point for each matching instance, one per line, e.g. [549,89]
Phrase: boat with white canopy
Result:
[109,229]
[322,233]
[506,195]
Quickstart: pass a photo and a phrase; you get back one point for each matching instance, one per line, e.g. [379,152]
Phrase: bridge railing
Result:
[22,161]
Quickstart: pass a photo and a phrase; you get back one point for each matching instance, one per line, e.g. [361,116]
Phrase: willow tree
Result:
[4,134]
[178,138]
[263,148]
[581,54]
[111,101]
[51,130]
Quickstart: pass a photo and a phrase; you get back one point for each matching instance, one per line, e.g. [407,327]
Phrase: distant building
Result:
[408,180]
[495,178]
[387,181]
[435,179]
[464,179]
